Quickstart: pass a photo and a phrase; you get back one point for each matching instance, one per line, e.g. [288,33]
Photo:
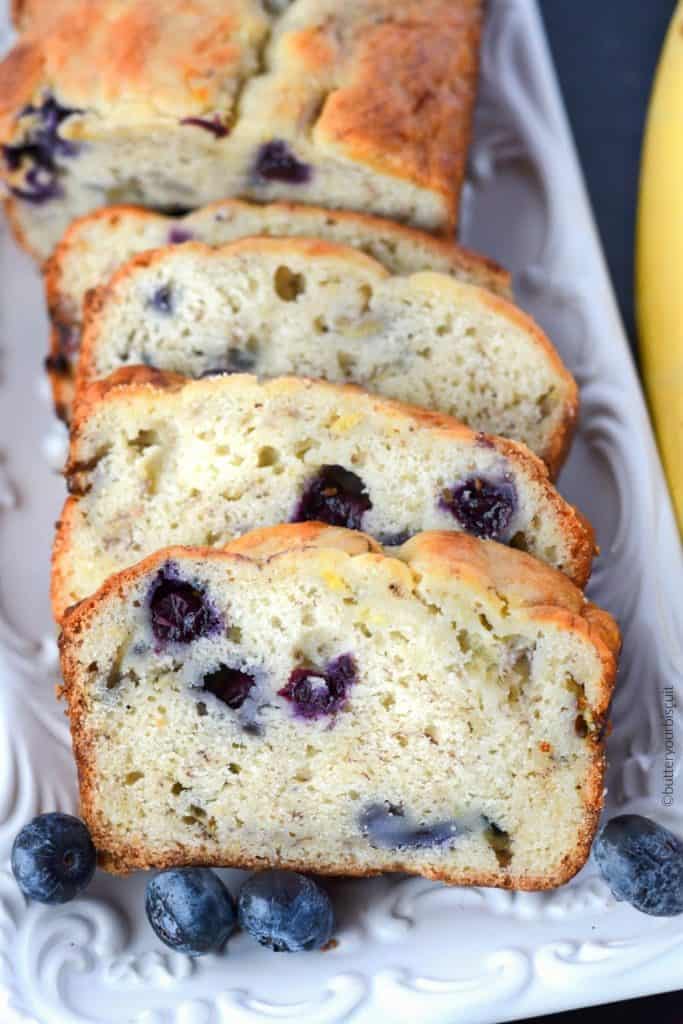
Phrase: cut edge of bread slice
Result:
[428,287]
[567,540]
[400,248]
[492,574]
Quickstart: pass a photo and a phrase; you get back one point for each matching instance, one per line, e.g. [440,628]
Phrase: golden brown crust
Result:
[11,213]
[429,73]
[463,263]
[489,568]
[310,249]
[390,86]
[176,62]
[561,442]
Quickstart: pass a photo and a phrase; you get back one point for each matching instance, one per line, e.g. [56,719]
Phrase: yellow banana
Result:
[659,258]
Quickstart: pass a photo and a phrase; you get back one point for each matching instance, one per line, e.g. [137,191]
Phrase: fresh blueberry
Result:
[387,827]
[179,612]
[642,863]
[230,685]
[213,125]
[483,507]
[285,911]
[314,693]
[177,236]
[53,858]
[336,496]
[276,162]
[190,910]
[38,152]
[162,300]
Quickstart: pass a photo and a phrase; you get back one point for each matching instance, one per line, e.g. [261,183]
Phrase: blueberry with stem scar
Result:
[336,496]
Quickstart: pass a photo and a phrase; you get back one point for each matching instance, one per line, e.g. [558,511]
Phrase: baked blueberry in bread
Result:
[303,700]
[319,309]
[365,105]
[97,244]
[157,460]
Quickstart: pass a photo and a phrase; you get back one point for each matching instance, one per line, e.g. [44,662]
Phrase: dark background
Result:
[605,52]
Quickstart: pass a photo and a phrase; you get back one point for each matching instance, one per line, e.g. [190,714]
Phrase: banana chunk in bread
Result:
[319,309]
[364,104]
[157,460]
[304,700]
[96,245]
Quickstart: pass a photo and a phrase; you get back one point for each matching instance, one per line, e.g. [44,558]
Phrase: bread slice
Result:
[303,700]
[157,460]
[365,105]
[320,309]
[98,244]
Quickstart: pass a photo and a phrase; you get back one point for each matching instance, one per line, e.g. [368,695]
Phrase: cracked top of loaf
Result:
[385,84]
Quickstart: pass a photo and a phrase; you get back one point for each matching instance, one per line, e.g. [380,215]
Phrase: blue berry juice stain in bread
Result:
[318,692]
[178,611]
[36,156]
[276,162]
[162,300]
[238,360]
[230,685]
[388,827]
[483,507]
[177,236]
[236,688]
[335,496]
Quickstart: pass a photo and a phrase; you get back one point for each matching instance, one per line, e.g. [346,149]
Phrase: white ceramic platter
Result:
[409,950]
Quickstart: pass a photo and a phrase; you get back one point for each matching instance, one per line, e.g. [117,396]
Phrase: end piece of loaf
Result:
[157,460]
[303,700]
[365,104]
[319,309]
[96,245]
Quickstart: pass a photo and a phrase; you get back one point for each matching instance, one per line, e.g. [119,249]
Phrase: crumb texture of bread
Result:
[96,245]
[319,309]
[304,700]
[155,462]
[365,104]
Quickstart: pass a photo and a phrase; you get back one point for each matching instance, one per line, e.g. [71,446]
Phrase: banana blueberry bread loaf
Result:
[303,700]
[365,104]
[318,309]
[97,244]
[158,460]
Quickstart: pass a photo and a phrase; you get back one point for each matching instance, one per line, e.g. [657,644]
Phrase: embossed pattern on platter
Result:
[403,943]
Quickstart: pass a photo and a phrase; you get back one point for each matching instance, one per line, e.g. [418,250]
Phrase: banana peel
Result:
[659,258]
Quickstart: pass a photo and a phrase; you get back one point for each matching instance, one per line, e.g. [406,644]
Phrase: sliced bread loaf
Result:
[98,244]
[158,460]
[303,700]
[364,105]
[319,309]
